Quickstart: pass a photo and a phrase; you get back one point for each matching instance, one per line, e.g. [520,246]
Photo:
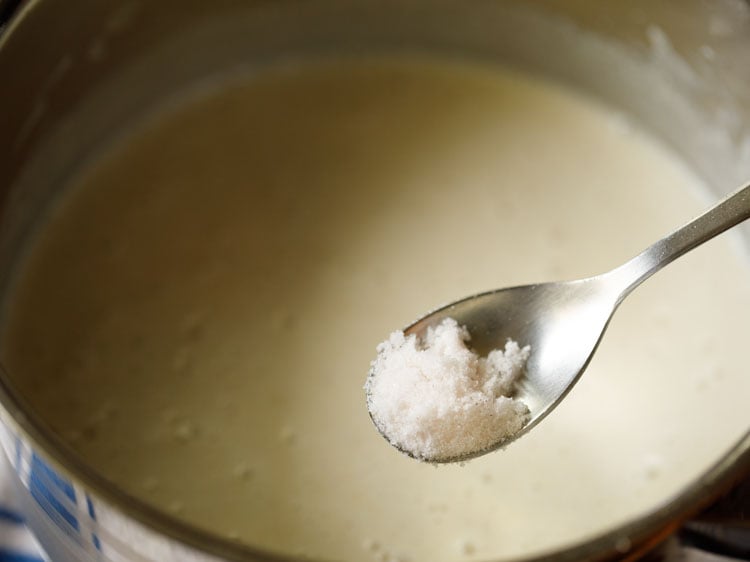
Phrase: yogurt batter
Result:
[197,315]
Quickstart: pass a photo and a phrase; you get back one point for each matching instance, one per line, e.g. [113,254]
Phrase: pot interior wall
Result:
[678,76]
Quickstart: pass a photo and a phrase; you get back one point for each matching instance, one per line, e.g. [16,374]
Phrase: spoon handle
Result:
[728,212]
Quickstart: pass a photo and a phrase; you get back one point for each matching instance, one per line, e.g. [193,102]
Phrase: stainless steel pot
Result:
[73,73]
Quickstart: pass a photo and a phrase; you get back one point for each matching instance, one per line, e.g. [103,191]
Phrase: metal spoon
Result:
[564,322]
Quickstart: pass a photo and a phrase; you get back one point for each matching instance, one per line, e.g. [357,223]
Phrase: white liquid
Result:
[198,316]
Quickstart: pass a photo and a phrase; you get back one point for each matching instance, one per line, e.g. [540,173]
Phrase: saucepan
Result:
[73,74]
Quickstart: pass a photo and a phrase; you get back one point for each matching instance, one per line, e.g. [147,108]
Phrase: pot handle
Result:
[7,9]
[724,528]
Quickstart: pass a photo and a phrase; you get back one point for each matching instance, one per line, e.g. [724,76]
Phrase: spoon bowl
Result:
[561,322]
[564,322]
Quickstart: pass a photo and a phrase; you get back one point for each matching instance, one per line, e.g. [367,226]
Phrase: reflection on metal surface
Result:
[7,9]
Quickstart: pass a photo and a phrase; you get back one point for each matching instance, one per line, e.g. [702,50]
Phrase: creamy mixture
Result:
[436,399]
[197,316]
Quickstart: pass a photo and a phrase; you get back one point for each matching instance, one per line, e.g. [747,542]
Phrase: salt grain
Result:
[437,400]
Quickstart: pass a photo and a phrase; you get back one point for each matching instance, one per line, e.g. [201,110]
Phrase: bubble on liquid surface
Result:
[466,547]
[185,431]
[288,435]
[243,471]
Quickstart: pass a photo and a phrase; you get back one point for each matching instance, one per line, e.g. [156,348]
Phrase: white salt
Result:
[438,400]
